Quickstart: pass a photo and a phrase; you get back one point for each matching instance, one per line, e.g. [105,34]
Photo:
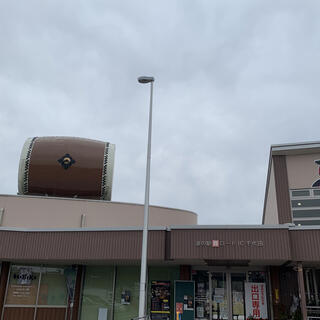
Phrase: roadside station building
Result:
[68,252]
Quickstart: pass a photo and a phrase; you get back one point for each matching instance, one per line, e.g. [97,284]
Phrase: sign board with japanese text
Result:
[230,244]
[256,301]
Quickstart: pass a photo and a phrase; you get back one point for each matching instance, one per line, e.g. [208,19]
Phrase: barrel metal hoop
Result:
[26,167]
[104,171]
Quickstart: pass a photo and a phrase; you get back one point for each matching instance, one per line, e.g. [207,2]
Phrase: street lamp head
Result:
[145,79]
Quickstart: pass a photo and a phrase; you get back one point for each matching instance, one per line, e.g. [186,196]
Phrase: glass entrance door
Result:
[202,294]
[219,295]
[238,295]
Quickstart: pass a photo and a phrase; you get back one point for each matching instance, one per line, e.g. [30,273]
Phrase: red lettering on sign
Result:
[254,288]
[255,296]
[256,313]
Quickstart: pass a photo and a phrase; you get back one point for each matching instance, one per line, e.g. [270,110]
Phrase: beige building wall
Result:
[302,170]
[271,210]
[50,213]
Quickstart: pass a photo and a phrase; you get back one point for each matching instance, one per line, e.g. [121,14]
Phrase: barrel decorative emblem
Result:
[66,161]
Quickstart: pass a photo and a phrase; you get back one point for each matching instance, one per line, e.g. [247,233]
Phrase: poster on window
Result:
[160,300]
[23,285]
[256,301]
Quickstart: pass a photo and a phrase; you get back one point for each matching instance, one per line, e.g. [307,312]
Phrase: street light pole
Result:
[143,274]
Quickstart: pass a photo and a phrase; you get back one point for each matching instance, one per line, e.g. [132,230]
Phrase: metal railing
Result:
[313,312]
[146,317]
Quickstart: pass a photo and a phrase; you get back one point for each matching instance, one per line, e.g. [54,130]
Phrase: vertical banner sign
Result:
[256,301]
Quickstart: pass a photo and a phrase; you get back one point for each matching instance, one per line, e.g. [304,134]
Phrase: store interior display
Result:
[201,295]
[125,297]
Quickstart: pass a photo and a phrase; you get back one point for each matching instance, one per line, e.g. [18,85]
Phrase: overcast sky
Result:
[232,78]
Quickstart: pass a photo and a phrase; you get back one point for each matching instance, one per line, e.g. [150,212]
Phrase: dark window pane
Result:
[316,184]
[306,213]
[316,192]
[257,276]
[305,203]
[300,193]
[308,222]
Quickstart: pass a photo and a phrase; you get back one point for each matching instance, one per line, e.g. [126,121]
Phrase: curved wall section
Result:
[66,167]
[56,213]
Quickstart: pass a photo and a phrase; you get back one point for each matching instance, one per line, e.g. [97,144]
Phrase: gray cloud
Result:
[232,77]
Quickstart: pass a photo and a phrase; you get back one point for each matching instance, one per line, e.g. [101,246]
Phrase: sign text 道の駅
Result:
[230,243]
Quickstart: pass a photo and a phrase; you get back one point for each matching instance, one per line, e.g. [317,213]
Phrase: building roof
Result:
[295,148]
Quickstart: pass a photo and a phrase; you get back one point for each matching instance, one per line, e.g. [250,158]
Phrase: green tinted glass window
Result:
[53,288]
[126,303]
[97,292]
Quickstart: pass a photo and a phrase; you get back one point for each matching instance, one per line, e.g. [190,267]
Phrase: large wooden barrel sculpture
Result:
[66,167]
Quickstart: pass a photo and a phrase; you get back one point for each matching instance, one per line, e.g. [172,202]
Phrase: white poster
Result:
[256,300]
[103,313]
